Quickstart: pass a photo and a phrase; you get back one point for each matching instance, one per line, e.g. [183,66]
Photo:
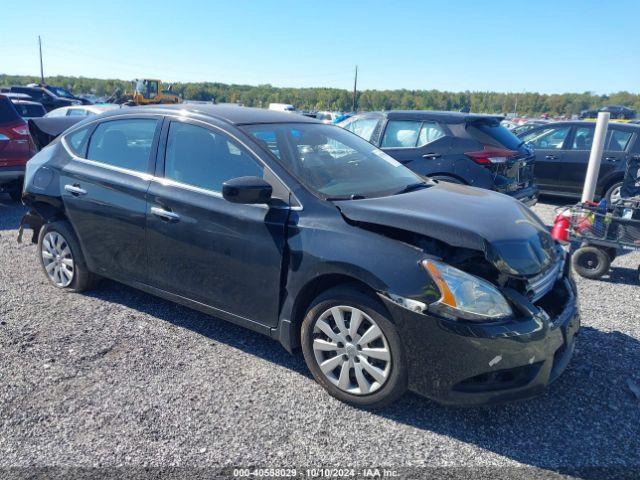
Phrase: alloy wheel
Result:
[351,350]
[57,259]
[615,196]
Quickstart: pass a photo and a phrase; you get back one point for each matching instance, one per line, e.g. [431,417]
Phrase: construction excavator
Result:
[145,91]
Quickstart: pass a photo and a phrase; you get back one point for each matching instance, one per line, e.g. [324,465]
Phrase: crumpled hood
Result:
[512,237]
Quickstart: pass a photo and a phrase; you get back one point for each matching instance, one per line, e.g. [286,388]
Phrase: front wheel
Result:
[613,194]
[591,262]
[353,350]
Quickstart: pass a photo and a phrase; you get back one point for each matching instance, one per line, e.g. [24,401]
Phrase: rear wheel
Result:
[591,262]
[62,260]
[353,350]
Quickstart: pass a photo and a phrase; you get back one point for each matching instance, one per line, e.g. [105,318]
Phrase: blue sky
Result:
[548,46]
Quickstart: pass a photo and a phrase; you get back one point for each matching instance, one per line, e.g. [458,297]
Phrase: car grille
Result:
[540,285]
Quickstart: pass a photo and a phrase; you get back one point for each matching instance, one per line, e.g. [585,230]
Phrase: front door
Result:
[224,255]
[104,194]
[549,143]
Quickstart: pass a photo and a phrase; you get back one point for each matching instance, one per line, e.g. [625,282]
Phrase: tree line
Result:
[319,98]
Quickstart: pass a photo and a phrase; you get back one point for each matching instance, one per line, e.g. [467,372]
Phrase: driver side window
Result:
[205,159]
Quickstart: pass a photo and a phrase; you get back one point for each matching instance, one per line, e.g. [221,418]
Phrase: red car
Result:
[16,147]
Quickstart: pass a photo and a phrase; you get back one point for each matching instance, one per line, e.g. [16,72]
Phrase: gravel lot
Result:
[117,377]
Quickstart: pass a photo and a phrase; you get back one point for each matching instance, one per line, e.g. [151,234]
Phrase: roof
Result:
[631,126]
[228,113]
[444,117]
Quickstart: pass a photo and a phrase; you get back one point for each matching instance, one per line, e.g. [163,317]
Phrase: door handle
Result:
[611,159]
[551,157]
[165,214]
[431,156]
[75,190]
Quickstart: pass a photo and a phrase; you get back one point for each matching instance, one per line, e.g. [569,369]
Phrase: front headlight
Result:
[465,296]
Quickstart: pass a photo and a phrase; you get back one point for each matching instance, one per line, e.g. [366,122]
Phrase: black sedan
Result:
[308,234]
[562,156]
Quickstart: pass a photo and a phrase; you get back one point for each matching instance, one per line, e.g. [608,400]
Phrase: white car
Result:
[328,117]
[282,107]
[82,110]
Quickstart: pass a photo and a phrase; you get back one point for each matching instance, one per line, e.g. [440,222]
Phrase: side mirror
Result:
[249,190]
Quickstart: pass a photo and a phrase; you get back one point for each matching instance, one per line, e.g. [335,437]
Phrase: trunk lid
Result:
[504,154]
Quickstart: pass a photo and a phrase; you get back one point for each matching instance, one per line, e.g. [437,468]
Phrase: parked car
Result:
[309,234]
[525,127]
[282,107]
[562,152]
[619,112]
[16,147]
[27,109]
[454,147]
[49,100]
[328,117]
[63,93]
[82,110]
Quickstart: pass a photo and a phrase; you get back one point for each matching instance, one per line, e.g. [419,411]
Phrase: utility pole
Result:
[355,89]
[41,69]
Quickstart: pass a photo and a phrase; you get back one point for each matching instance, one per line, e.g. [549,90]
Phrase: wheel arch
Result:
[608,182]
[288,330]
[40,213]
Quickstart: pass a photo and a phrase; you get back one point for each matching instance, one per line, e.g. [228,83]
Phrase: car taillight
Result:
[490,155]
[21,130]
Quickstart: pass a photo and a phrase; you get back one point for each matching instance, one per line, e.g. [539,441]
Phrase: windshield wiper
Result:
[355,196]
[411,187]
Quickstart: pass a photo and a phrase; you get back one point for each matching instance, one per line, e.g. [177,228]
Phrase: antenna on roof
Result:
[355,87]
[41,69]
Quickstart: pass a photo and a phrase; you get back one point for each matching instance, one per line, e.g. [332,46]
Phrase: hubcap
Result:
[615,195]
[351,350]
[57,259]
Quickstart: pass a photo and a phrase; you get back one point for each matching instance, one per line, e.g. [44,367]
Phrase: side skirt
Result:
[201,307]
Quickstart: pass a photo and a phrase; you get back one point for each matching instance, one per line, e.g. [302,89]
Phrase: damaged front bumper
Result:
[465,363]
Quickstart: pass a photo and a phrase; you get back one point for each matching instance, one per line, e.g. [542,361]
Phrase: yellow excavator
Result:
[146,91]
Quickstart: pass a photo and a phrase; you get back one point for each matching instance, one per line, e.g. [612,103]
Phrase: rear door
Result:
[421,145]
[576,157]
[104,193]
[224,255]
[549,144]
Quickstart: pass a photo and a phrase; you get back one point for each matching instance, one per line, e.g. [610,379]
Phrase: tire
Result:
[360,388]
[16,195]
[445,178]
[591,262]
[58,240]
[610,191]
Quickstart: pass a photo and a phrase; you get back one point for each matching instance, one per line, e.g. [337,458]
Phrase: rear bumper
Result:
[528,196]
[13,174]
[473,364]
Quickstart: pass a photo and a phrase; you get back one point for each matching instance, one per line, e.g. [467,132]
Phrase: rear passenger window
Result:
[363,127]
[401,134]
[123,143]
[77,140]
[617,140]
[430,132]
[200,157]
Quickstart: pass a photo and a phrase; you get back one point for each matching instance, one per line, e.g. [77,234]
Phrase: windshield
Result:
[493,134]
[60,92]
[332,162]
